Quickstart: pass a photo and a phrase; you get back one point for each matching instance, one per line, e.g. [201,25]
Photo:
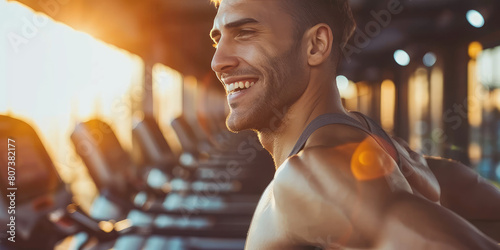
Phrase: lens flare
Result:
[369,161]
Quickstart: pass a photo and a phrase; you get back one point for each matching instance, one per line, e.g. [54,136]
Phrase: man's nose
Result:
[224,59]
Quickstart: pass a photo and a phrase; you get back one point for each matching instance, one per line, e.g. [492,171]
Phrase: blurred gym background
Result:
[427,70]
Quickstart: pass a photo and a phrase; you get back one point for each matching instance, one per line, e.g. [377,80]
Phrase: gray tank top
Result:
[374,130]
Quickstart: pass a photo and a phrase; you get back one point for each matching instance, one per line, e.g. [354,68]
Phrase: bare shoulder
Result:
[327,194]
[344,189]
[321,200]
[358,162]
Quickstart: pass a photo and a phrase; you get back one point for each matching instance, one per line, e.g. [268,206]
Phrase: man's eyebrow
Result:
[235,24]
[240,22]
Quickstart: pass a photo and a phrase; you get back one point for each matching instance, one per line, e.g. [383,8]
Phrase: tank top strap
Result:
[375,131]
[321,121]
[382,137]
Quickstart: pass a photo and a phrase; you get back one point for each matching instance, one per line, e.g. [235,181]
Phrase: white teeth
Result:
[239,85]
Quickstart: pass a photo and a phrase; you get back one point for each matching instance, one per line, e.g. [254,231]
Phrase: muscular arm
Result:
[324,198]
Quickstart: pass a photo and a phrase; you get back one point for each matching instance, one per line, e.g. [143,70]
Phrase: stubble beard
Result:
[281,91]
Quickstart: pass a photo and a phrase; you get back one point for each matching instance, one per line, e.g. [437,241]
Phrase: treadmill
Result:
[45,215]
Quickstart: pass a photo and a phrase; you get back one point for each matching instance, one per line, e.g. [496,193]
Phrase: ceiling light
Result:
[475,18]
[430,59]
[401,57]
[342,82]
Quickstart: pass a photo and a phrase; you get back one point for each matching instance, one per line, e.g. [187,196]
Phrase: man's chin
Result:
[233,126]
[237,124]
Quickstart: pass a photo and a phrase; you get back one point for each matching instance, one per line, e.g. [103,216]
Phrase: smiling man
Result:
[339,181]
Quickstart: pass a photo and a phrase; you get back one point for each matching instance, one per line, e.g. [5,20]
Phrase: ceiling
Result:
[175,32]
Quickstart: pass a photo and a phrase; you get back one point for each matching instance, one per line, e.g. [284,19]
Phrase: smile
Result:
[238,86]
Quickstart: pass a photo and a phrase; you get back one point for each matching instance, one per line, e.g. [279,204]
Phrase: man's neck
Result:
[318,99]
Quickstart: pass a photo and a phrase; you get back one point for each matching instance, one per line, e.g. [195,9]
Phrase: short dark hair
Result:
[307,13]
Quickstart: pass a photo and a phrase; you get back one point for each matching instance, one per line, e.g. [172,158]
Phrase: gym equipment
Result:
[44,214]
[243,169]
[112,170]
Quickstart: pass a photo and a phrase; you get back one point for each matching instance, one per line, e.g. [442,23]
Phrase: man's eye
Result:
[245,33]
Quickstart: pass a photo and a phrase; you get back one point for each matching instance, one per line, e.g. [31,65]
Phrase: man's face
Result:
[257,60]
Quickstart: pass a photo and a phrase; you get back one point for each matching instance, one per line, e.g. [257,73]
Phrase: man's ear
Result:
[319,40]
